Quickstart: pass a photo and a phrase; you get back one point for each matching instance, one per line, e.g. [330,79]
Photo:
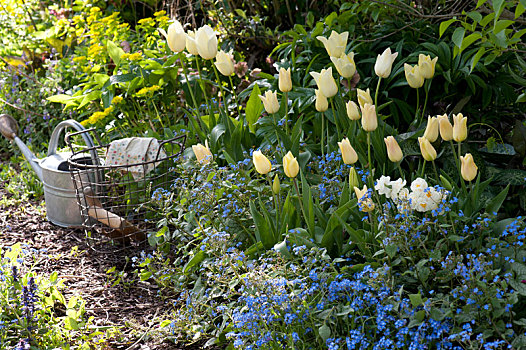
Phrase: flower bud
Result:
[335,44]
[261,163]
[394,152]
[191,45]
[325,82]
[321,101]
[413,76]
[427,65]
[345,65]
[290,165]
[285,82]
[270,101]
[468,168]
[224,63]
[206,41]
[446,129]
[369,119]
[275,185]
[384,63]
[428,151]
[353,178]
[349,155]
[364,97]
[431,132]
[352,111]
[364,202]
[202,153]
[460,127]
[176,37]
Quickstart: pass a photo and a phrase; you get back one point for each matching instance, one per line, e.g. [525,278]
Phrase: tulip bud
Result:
[353,178]
[270,102]
[384,63]
[349,155]
[191,45]
[431,132]
[460,127]
[364,97]
[261,163]
[446,129]
[335,44]
[394,152]
[428,151]
[364,202]
[290,165]
[325,82]
[352,111]
[202,153]
[224,63]
[468,168]
[345,65]
[285,82]
[369,119]
[413,76]
[445,183]
[321,101]
[206,41]
[176,37]
[276,185]
[427,65]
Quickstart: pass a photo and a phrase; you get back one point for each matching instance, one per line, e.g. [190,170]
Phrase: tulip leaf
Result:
[308,203]
[495,204]
[263,233]
[254,108]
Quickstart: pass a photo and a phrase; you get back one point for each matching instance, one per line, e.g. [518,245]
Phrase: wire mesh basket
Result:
[118,208]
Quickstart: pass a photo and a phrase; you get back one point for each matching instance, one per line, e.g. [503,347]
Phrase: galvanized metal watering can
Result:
[53,171]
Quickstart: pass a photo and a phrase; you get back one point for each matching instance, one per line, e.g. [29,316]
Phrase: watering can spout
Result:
[9,128]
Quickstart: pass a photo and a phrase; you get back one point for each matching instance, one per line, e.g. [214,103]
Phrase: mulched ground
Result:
[131,307]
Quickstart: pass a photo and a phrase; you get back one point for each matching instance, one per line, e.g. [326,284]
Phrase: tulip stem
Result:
[423,168]
[201,83]
[276,131]
[350,92]
[369,158]
[223,97]
[436,172]
[277,206]
[417,115]
[376,94]
[400,170]
[322,134]
[235,95]
[427,95]
[457,162]
[286,98]
[301,202]
[335,119]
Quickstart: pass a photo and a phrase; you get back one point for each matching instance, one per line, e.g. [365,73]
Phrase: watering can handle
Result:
[53,143]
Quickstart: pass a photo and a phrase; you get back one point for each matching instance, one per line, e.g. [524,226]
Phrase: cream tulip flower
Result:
[364,202]
[270,101]
[446,129]
[352,110]
[176,37]
[431,132]
[369,118]
[191,45]
[394,152]
[468,168]
[384,63]
[322,104]
[345,65]
[202,153]
[285,82]
[206,41]
[460,127]
[261,163]
[428,151]
[413,76]
[427,65]
[325,82]
[335,44]
[364,97]
[349,155]
[290,165]
[224,63]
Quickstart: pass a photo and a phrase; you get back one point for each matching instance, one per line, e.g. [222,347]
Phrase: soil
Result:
[135,308]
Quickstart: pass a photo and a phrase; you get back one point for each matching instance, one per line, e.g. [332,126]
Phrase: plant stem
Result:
[423,168]
[376,94]
[299,199]
[335,119]
[417,116]
[322,133]
[436,173]
[223,97]
[201,82]
[235,95]
[276,204]
[400,170]
[371,175]
[427,95]
[457,162]
[277,136]
[187,81]
[286,98]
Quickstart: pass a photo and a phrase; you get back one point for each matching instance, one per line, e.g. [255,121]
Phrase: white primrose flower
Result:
[383,185]
[418,185]
[403,201]
[396,187]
